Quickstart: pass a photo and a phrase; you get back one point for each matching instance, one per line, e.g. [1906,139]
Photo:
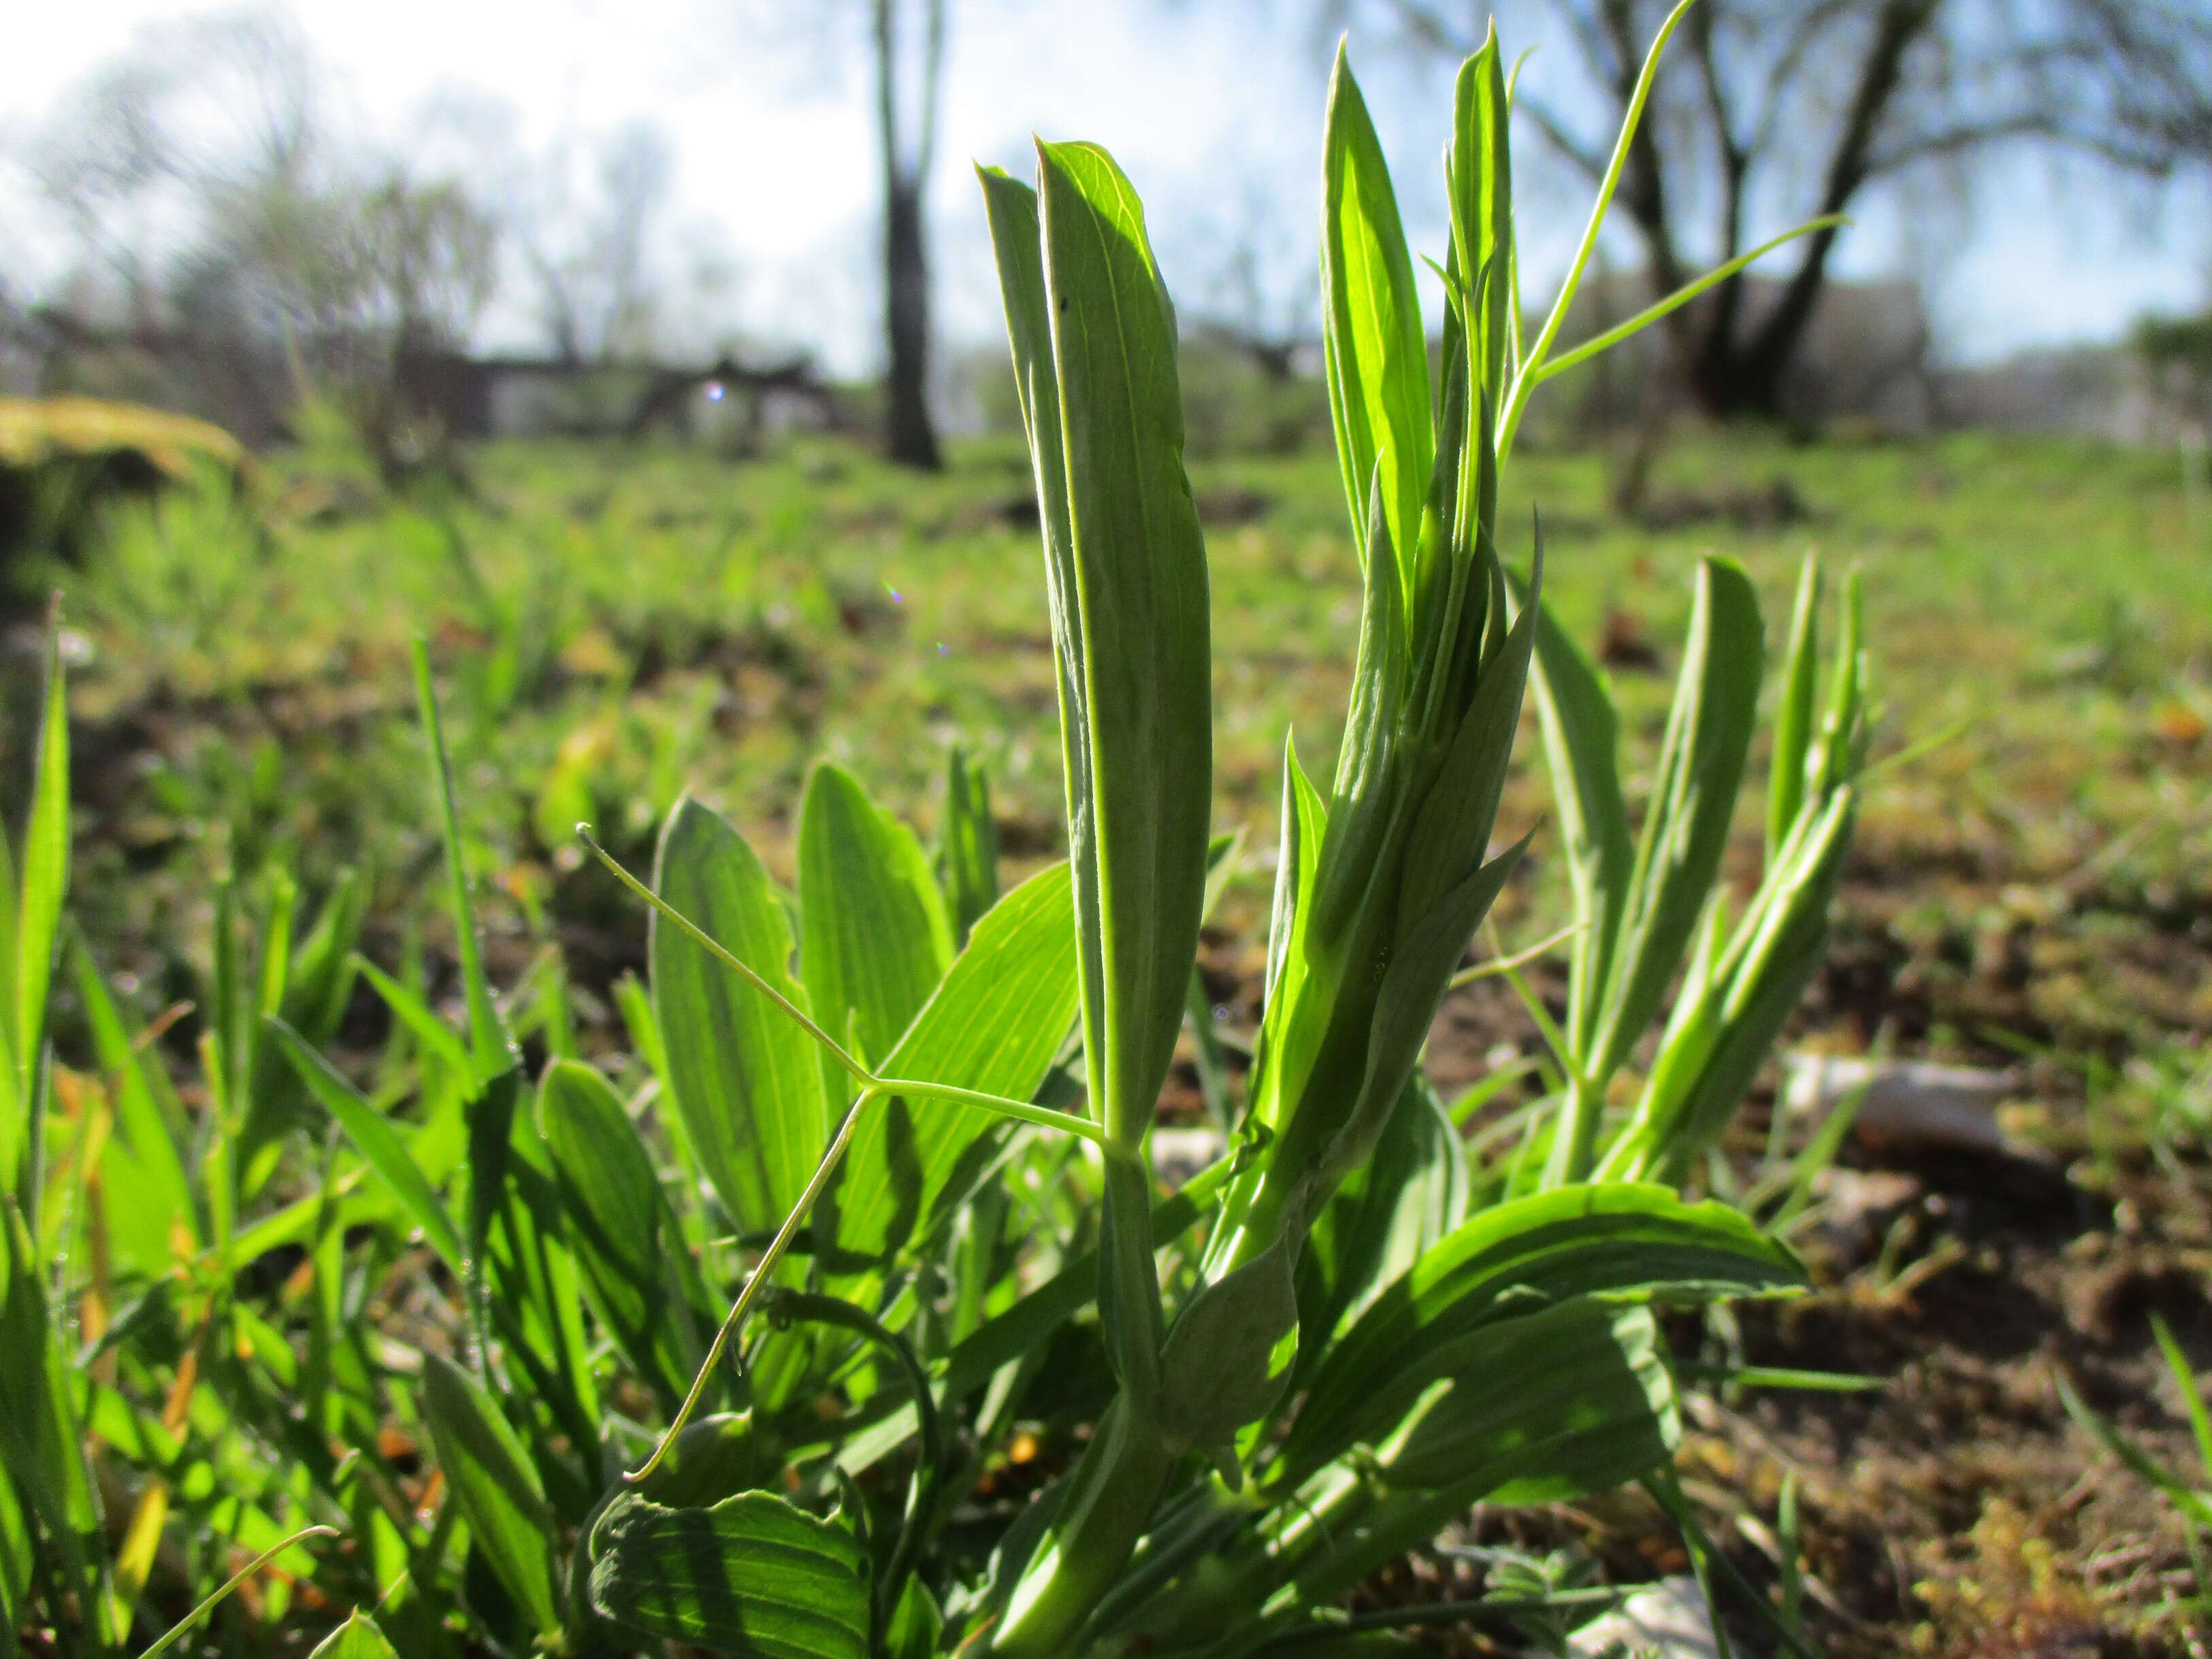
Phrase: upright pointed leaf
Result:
[1375,349]
[1793,711]
[37,918]
[41,1443]
[874,938]
[1693,801]
[1481,178]
[1140,770]
[745,1077]
[753,1576]
[491,1045]
[496,1485]
[1581,740]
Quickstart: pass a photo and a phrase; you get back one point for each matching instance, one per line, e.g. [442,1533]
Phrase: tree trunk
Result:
[908,437]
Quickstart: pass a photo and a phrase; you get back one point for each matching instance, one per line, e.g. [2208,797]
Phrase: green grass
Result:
[612,624]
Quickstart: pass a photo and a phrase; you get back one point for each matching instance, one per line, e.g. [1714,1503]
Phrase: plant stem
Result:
[758,1281]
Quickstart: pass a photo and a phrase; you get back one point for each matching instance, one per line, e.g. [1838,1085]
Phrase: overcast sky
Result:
[1215,115]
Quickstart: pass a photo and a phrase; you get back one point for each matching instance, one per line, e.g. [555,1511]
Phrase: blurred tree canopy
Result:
[1784,111]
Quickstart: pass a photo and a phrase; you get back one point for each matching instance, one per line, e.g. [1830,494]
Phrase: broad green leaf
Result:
[1375,348]
[996,1023]
[496,1485]
[356,1638]
[916,1625]
[378,1142]
[752,1576]
[968,845]
[1794,710]
[873,938]
[625,1235]
[491,1045]
[1693,799]
[745,1076]
[1565,1402]
[1619,1239]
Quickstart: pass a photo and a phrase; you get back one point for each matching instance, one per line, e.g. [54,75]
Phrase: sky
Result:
[1212,107]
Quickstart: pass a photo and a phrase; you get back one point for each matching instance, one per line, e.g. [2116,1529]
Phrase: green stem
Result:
[759,1280]
[176,1632]
[1525,384]
[1110,1495]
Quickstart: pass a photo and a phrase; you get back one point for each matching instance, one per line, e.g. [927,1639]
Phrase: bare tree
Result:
[589,247]
[1808,103]
[906,148]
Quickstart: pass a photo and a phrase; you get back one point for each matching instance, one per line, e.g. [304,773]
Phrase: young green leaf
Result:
[496,1488]
[41,1445]
[1374,347]
[1793,711]
[874,940]
[356,1638]
[1582,739]
[752,1576]
[746,1079]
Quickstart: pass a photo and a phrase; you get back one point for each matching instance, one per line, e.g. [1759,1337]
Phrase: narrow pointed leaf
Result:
[1694,800]
[1376,351]
[491,1045]
[378,1142]
[968,848]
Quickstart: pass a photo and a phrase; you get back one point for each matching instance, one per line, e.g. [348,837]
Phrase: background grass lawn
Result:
[610,626]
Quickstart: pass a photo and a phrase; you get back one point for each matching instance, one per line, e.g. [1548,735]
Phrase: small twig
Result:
[1497,965]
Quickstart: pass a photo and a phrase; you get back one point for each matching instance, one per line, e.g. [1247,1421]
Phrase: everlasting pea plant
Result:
[907,1114]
